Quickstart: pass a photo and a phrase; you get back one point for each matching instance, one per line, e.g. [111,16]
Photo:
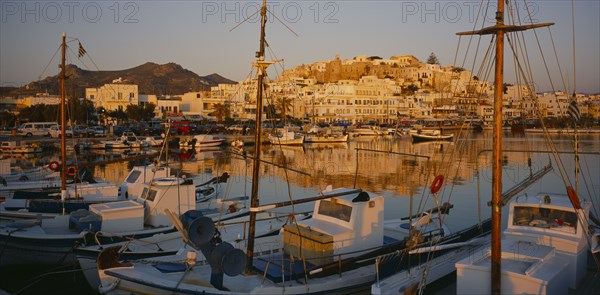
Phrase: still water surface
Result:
[402,174]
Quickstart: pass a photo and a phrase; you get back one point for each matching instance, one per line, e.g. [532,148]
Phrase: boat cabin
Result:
[132,187]
[551,220]
[340,225]
[146,210]
[544,249]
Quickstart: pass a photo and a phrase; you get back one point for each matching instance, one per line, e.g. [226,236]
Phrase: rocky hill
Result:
[151,78]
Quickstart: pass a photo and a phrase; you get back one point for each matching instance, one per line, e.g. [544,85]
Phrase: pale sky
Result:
[198,36]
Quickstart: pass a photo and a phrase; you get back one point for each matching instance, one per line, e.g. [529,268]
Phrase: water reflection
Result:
[465,164]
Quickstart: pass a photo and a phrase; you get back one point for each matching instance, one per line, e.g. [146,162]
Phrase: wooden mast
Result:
[497,154]
[63,140]
[254,202]
[499,31]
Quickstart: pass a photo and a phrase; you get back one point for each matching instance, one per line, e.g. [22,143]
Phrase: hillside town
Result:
[360,89]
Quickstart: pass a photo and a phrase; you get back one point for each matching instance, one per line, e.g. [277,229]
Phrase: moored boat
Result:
[128,140]
[50,239]
[318,135]
[285,136]
[200,141]
[14,147]
[544,249]
[430,135]
[341,240]
[364,130]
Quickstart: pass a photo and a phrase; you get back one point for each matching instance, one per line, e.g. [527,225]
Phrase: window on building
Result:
[120,96]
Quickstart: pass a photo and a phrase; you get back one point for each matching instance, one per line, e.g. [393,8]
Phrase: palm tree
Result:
[220,111]
[284,105]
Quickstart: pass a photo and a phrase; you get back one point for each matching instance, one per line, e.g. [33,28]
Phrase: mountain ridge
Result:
[151,78]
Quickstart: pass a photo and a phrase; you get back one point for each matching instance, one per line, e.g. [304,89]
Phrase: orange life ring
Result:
[53,166]
[71,171]
[573,197]
[437,184]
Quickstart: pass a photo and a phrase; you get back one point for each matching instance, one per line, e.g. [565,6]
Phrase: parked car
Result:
[98,131]
[55,131]
[211,129]
[36,128]
[80,131]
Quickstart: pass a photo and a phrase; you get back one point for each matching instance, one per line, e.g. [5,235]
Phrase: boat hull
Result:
[424,137]
[278,141]
[36,248]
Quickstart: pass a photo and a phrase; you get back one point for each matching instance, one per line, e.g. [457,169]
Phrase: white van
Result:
[36,128]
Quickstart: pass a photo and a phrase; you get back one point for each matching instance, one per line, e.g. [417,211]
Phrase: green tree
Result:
[284,105]
[411,89]
[118,115]
[7,119]
[220,111]
[39,113]
[81,111]
[140,113]
[101,113]
[433,60]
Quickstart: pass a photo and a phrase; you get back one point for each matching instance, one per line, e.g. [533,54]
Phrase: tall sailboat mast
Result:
[497,153]
[499,30]
[254,202]
[63,140]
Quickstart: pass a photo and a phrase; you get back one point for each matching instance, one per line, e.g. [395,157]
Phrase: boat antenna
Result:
[63,138]
[261,66]
[499,30]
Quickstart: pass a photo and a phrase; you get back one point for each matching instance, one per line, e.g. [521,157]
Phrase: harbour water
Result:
[402,173]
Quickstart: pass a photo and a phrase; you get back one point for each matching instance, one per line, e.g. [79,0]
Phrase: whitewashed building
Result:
[113,96]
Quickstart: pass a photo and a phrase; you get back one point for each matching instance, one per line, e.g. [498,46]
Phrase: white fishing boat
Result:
[8,190]
[285,136]
[153,141]
[128,140]
[410,275]
[37,180]
[97,144]
[233,230]
[340,241]
[544,249]
[10,174]
[50,239]
[200,141]
[317,135]
[364,130]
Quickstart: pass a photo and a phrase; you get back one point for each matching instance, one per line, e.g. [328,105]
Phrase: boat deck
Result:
[589,285]
[591,281]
